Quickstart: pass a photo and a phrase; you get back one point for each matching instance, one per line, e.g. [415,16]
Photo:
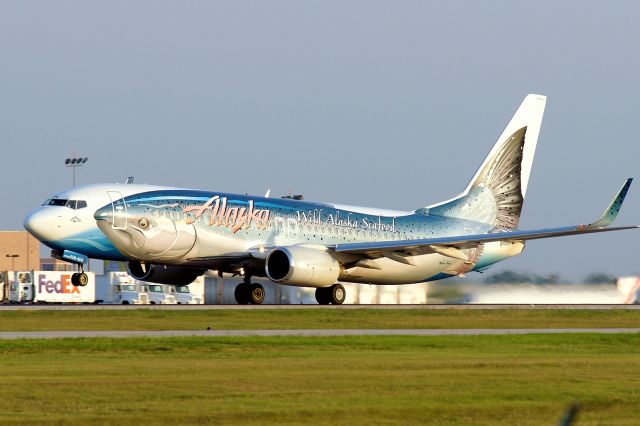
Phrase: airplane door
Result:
[119,209]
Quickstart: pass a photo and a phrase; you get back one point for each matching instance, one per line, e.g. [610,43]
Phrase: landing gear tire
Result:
[242,293]
[335,294]
[338,294]
[79,279]
[256,294]
[322,296]
[83,279]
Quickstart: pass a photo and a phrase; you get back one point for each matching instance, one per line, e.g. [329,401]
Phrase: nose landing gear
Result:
[79,279]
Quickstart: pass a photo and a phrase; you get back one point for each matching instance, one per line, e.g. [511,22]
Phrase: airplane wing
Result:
[450,246]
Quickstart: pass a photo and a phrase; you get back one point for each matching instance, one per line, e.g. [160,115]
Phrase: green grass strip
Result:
[387,380]
[149,319]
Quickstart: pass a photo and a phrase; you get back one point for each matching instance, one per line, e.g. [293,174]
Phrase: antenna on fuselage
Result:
[268,193]
[129,180]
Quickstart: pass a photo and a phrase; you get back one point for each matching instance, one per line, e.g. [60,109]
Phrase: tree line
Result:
[513,277]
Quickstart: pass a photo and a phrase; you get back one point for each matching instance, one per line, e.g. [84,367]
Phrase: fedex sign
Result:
[61,286]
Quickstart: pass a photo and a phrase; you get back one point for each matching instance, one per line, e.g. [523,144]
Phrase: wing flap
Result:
[467,241]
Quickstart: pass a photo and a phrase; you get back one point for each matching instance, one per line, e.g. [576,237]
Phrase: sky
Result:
[380,104]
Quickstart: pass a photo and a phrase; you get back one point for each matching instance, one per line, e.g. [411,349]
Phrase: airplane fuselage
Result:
[203,229]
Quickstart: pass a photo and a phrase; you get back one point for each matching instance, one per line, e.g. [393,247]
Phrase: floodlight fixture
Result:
[75,162]
[13,260]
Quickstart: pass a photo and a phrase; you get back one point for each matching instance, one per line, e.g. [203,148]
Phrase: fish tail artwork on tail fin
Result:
[496,192]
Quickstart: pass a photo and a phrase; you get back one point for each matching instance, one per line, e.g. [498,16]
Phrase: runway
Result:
[92,307]
[305,333]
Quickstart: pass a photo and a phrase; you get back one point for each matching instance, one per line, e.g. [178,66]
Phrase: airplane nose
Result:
[105,213]
[42,224]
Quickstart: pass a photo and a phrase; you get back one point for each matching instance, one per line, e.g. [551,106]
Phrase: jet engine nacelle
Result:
[162,274]
[302,266]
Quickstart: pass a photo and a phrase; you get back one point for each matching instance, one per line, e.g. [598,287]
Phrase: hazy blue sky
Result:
[384,104]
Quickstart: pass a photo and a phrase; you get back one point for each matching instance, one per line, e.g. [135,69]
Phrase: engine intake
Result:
[163,274]
[302,266]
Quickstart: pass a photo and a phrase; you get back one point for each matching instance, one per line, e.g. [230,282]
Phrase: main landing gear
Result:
[334,294]
[248,293]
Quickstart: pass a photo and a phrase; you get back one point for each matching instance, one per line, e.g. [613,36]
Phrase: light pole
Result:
[13,260]
[74,162]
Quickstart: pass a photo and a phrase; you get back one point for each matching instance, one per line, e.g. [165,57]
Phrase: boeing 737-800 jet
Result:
[172,235]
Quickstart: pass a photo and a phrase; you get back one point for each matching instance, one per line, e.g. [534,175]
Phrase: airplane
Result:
[173,235]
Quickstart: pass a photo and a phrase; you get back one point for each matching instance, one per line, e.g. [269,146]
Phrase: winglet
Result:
[612,211]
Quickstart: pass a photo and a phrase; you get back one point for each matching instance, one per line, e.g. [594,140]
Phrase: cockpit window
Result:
[72,204]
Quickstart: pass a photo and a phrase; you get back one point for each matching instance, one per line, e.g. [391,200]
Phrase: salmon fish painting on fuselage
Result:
[174,235]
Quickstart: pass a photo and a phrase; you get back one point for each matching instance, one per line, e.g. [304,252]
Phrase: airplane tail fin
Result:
[496,192]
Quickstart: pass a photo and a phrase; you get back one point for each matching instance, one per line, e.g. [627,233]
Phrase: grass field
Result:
[184,319]
[454,380]
[526,379]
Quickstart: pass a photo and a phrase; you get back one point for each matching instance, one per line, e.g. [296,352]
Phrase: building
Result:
[49,264]
[19,250]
